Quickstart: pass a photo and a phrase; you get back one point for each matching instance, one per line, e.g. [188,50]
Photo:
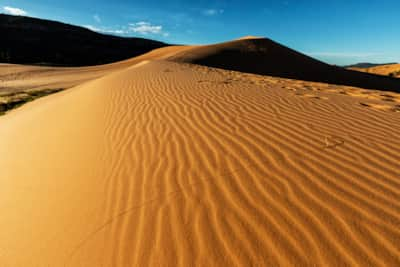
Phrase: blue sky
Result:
[335,31]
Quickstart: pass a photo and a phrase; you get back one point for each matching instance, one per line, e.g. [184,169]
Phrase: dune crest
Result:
[173,164]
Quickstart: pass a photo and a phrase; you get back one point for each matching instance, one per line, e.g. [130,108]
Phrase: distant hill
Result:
[367,65]
[36,41]
[266,57]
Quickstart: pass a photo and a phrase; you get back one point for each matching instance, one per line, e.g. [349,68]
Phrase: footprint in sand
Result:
[333,141]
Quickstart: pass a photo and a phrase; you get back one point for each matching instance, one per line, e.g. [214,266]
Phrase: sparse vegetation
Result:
[13,100]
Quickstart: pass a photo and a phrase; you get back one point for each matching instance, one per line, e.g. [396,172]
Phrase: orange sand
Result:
[173,164]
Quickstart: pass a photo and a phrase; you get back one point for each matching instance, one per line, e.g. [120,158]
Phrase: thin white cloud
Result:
[344,54]
[212,12]
[14,11]
[141,27]
[144,27]
[97,18]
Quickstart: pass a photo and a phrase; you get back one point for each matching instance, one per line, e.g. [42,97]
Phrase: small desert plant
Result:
[16,99]
[394,74]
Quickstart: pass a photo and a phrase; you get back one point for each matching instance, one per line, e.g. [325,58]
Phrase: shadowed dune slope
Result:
[171,164]
[29,40]
[266,57]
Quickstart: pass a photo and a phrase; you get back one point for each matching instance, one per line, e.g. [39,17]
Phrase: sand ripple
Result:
[169,164]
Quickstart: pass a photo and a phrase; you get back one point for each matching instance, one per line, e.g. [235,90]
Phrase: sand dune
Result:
[248,54]
[15,77]
[390,69]
[264,56]
[173,164]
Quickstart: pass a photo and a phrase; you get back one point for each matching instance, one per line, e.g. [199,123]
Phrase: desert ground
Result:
[154,162]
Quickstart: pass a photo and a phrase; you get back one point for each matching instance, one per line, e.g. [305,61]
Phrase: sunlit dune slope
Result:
[171,164]
[390,69]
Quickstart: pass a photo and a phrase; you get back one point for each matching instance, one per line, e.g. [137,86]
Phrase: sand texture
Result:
[173,164]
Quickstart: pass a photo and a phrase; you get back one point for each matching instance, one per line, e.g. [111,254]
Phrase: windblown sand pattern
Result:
[171,164]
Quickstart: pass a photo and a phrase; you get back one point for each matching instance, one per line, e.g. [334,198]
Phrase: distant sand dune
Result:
[172,164]
[390,69]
